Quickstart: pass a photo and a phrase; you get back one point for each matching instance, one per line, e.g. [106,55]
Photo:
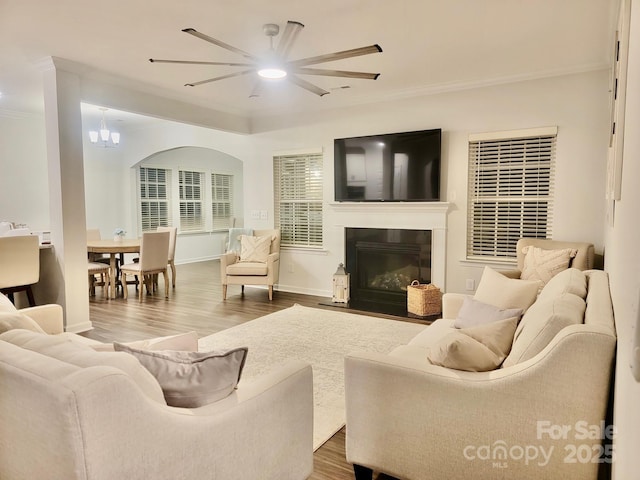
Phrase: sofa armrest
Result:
[451,303]
[406,417]
[262,430]
[50,317]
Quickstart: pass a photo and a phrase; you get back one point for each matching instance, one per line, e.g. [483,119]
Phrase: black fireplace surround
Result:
[382,263]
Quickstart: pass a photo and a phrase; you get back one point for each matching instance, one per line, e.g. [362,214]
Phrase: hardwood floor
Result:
[196,304]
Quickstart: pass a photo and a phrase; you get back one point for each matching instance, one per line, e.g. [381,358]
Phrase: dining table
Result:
[114,248]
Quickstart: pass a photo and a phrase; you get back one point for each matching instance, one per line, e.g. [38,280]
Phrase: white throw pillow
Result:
[473,313]
[543,265]
[187,342]
[192,379]
[475,349]
[502,292]
[255,249]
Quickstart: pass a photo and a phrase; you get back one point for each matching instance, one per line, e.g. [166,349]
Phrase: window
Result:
[298,199]
[511,176]
[221,201]
[190,184]
[154,198]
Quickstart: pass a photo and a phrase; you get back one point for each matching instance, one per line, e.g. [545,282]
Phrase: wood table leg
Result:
[113,277]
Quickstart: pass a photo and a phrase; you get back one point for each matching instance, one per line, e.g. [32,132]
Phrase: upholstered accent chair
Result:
[154,259]
[583,259]
[250,266]
[19,265]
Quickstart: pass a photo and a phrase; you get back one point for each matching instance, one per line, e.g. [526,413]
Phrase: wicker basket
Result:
[423,299]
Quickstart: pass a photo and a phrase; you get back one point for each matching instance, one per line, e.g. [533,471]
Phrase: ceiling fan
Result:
[275,64]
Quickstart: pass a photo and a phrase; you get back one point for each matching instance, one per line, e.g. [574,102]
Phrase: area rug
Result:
[320,337]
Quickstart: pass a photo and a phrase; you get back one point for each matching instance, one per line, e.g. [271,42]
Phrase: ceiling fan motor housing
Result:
[270,29]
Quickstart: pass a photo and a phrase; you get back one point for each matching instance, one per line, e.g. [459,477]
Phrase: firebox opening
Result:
[382,263]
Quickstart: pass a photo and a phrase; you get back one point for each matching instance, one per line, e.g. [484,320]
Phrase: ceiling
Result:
[428,46]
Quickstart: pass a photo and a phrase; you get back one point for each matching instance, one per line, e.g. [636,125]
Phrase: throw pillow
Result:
[192,379]
[11,320]
[475,349]
[255,249]
[502,292]
[473,313]
[543,265]
[234,238]
[187,342]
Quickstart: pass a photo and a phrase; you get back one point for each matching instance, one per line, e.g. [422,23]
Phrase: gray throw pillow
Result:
[474,313]
[192,379]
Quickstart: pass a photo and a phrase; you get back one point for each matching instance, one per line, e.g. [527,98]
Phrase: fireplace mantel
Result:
[408,215]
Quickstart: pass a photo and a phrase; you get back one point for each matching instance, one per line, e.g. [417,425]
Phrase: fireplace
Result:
[382,262]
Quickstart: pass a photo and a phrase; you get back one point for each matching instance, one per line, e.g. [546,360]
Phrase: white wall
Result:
[623,264]
[24,185]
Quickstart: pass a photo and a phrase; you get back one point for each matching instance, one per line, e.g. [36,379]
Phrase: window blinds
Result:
[510,191]
[298,199]
[154,198]
[190,186]
[222,201]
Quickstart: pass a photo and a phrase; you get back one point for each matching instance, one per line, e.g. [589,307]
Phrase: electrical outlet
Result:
[290,267]
[264,215]
[471,284]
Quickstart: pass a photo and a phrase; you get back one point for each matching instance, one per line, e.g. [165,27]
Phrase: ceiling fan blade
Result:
[207,38]
[330,57]
[306,85]
[237,74]
[289,36]
[336,73]
[190,62]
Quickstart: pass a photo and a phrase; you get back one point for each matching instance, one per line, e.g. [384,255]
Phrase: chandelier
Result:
[104,137]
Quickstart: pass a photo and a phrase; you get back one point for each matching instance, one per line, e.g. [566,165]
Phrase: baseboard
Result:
[79,327]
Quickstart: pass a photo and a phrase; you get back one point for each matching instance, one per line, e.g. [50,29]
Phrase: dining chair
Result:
[173,232]
[19,265]
[102,269]
[154,259]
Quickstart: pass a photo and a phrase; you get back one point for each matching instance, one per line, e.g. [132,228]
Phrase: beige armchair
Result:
[584,259]
[235,271]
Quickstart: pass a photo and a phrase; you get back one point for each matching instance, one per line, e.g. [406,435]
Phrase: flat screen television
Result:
[392,167]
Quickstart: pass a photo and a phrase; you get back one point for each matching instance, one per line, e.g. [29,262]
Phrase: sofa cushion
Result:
[247,268]
[571,280]
[541,323]
[5,304]
[474,312]
[14,319]
[502,292]
[192,379]
[254,249]
[543,265]
[74,353]
[187,342]
[475,349]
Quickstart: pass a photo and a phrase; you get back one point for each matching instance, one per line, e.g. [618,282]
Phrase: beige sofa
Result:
[69,412]
[415,420]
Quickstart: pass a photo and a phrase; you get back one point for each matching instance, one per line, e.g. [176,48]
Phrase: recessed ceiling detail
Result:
[275,66]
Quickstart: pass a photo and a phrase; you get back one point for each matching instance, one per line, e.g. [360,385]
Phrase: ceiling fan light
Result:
[115,138]
[273,73]
[93,136]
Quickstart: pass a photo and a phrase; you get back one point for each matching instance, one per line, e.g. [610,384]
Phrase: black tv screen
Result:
[393,167]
